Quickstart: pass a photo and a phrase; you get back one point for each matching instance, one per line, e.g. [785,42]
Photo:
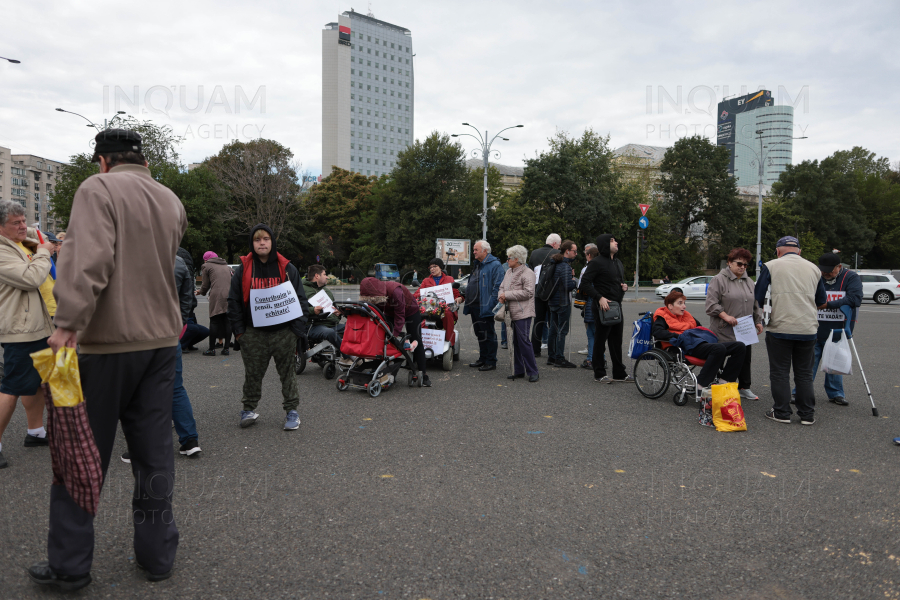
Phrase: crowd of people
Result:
[131,331]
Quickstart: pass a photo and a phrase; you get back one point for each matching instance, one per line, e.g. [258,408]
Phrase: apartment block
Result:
[29,180]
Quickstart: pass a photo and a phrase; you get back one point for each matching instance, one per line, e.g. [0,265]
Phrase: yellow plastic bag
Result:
[61,373]
[726,408]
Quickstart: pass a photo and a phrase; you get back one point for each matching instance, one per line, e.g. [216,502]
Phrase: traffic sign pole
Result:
[637,265]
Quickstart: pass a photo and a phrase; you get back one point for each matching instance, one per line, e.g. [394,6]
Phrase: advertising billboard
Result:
[454,252]
[727,114]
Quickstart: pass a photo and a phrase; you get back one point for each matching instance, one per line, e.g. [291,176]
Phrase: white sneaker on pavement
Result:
[747,394]
[585,351]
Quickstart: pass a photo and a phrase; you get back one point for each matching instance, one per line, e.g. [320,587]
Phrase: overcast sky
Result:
[564,65]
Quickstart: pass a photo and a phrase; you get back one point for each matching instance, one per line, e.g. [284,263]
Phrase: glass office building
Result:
[368,94]
[777,126]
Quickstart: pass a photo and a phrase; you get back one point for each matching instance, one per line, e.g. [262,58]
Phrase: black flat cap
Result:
[828,261]
[116,140]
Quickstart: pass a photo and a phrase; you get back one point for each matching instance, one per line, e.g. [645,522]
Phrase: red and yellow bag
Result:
[726,408]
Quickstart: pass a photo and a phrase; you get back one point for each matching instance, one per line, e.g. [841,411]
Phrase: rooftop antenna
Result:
[369,14]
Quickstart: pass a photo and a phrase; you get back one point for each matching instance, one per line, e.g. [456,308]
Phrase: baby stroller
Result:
[368,336]
[657,368]
[440,317]
[323,353]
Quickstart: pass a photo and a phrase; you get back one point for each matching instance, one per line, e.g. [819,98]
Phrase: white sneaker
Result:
[544,346]
[585,351]
[747,394]
[706,392]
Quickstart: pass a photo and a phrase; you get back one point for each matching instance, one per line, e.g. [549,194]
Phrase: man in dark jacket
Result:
[604,282]
[195,333]
[182,413]
[540,332]
[325,326]
[844,288]
[481,298]
[265,268]
[560,304]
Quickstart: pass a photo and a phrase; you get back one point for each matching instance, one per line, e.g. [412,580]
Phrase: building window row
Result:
[384,43]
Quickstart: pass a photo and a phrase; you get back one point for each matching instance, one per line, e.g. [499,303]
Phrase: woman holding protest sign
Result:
[729,298]
[268,311]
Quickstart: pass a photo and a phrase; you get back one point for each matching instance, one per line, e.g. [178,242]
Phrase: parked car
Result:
[462,281]
[880,286]
[692,287]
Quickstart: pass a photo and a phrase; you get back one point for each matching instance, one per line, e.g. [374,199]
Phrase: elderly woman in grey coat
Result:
[517,292]
[728,298]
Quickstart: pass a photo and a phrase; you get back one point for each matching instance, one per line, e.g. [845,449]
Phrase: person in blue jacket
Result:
[836,279]
[481,298]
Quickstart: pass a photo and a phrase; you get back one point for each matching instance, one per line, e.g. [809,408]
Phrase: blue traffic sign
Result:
[644,222]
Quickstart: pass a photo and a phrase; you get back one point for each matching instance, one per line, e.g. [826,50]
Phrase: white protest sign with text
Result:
[434,339]
[832,314]
[321,299]
[274,305]
[443,292]
[745,330]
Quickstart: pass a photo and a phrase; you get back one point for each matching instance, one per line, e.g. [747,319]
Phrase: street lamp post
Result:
[761,159]
[12,60]
[106,124]
[485,153]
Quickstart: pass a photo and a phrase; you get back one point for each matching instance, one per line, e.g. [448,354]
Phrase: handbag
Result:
[836,356]
[500,312]
[613,316]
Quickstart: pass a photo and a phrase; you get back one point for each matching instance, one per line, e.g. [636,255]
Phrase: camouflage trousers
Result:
[257,347]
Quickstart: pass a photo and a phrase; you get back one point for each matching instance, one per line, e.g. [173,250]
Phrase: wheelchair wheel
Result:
[448,360]
[299,364]
[330,371]
[680,399]
[375,388]
[410,381]
[651,374]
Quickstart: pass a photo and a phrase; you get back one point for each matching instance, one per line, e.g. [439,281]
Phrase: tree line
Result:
[576,187]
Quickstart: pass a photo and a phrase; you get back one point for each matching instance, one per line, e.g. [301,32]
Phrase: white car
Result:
[879,286]
[692,287]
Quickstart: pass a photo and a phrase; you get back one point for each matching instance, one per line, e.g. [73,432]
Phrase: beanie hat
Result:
[209,254]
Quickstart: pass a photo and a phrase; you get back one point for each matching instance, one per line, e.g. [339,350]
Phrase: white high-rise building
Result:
[368,94]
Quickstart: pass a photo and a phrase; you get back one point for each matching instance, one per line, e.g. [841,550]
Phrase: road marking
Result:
[619,471]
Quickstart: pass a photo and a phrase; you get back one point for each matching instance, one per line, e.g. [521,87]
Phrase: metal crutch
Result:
[848,313]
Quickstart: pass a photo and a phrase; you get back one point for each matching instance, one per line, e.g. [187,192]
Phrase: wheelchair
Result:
[658,368]
[323,353]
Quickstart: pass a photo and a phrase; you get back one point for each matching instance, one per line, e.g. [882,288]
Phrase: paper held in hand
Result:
[274,305]
[321,299]
[434,339]
[832,314]
[443,292]
[745,330]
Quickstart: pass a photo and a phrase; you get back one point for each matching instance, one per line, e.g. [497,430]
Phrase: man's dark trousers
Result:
[487,339]
[613,333]
[782,354]
[541,328]
[136,389]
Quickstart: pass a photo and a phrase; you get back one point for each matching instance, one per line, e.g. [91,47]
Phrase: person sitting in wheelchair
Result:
[323,326]
[673,325]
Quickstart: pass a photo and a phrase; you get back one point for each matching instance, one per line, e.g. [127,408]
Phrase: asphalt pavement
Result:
[484,488]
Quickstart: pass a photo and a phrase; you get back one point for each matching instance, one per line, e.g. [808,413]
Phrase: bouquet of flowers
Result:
[430,306]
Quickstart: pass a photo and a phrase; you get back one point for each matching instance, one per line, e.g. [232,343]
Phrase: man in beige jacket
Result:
[117,300]
[25,322]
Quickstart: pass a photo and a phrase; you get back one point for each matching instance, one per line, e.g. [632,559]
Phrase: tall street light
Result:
[485,153]
[762,158]
[12,60]
[106,124]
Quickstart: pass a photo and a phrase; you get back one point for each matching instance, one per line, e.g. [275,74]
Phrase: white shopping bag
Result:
[836,357]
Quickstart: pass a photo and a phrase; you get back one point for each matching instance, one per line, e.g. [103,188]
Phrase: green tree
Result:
[204,208]
[334,207]
[825,196]
[698,195]
[431,195]
[881,198]
[778,221]
[858,159]
[70,177]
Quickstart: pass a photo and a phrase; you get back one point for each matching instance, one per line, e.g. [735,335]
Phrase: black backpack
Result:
[544,287]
